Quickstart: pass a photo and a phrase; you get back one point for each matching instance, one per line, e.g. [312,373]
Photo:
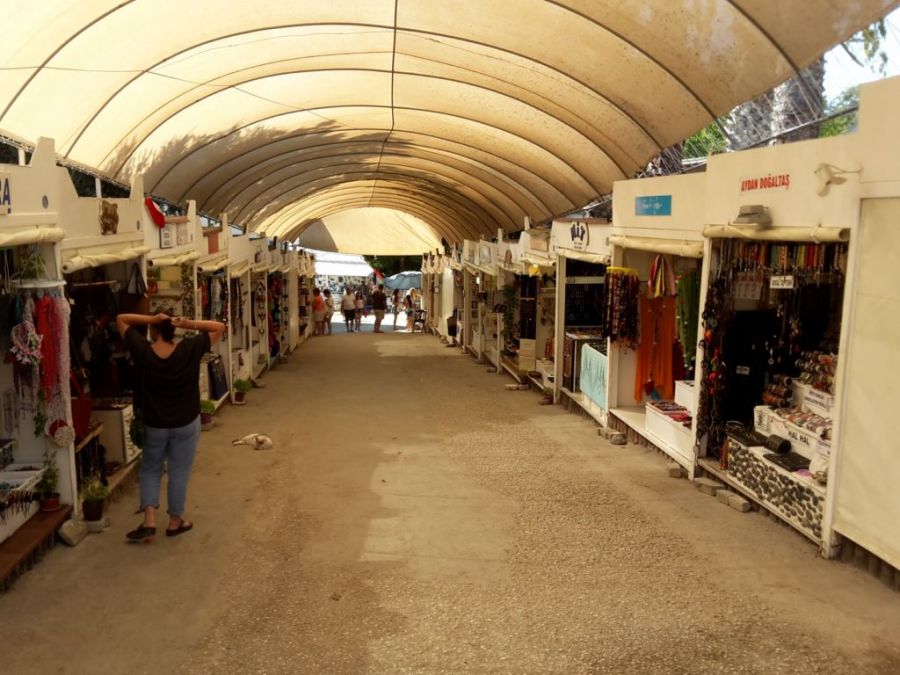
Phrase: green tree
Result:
[391,264]
[846,100]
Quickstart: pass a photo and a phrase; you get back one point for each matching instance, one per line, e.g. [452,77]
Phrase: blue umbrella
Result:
[403,281]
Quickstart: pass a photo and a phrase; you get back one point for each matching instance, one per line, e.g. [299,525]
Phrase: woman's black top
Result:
[168,390]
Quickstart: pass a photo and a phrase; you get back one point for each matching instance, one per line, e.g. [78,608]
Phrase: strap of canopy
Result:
[685,249]
[79,262]
[214,265]
[239,268]
[37,235]
[598,258]
[538,260]
[818,235]
[166,261]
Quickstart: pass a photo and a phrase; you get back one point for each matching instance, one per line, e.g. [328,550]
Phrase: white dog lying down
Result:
[255,441]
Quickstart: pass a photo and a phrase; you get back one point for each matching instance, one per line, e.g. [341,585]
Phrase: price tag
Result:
[782,283]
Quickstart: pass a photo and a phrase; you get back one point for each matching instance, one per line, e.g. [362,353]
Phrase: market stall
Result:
[292,288]
[240,310]
[278,301]
[651,309]
[260,347]
[470,319]
[775,288]
[539,259]
[213,298]
[103,262]
[306,275]
[36,450]
[519,317]
[580,342]
[454,285]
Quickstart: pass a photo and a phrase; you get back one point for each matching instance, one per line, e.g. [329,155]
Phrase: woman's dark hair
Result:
[316,291]
[164,329]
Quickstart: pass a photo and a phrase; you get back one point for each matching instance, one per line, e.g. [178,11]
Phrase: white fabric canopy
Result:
[469,116]
[685,249]
[341,265]
[370,231]
[811,234]
[75,261]
[35,235]
[168,260]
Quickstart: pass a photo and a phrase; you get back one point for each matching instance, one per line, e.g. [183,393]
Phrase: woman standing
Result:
[409,305]
[360,306]
[169,400]
[329,310]
[318,306]
[395,305]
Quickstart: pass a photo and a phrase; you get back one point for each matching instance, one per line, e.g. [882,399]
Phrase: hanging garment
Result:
[687,307]
[654,376]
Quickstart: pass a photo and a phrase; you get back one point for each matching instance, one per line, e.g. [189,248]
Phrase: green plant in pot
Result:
[46,487]
[93,498]
[207,408]
[241,387]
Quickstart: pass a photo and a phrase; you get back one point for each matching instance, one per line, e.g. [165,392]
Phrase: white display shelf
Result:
[635,417]
[586,404]
[219,403]
[512,368]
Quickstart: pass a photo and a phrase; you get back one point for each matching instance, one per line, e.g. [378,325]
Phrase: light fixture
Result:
[753,214]
[828,175]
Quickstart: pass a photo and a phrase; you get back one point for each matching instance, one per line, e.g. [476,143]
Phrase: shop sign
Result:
[655,205]
[782,283]
[781,181]
[539,244]
[6,196]
[579,236]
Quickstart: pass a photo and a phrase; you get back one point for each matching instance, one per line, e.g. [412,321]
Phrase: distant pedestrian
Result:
[395,305]
[329,310]
[318,312]
[348,307]
[379,306]
[409,305]
[360,305]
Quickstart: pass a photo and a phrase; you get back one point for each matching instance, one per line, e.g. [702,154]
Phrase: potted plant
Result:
[207,408]
[93,497]
[241,387]
[46,487]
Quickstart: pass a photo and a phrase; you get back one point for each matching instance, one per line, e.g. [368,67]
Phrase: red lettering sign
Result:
[767,182]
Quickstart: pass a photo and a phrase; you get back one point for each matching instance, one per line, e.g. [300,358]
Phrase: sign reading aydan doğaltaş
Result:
[772,181]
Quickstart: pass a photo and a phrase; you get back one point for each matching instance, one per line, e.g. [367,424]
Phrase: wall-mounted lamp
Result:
[753,214]
[829,175]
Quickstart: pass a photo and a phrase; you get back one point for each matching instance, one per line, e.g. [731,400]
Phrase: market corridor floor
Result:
[414,516]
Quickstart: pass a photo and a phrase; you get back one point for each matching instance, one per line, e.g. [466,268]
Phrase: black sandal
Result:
[183,527]
[142,533]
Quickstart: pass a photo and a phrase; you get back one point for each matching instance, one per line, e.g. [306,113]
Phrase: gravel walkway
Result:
[416,517]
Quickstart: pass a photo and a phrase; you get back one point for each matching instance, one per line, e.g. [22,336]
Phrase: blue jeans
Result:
[177,446]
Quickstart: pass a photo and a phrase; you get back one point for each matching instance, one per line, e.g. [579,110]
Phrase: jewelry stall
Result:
[518,320]
[539,260]
[36,450]
[259,306]
[240,308]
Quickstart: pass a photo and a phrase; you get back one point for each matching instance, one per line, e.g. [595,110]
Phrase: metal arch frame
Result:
[233,176]
[357,195]
[468,223]
[386,28]
[454,196]
[468,220]
[331,205]
[531,143]
[238,83]
[236,198]
[127,157]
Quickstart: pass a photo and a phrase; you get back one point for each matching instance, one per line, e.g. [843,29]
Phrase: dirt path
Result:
[467,530]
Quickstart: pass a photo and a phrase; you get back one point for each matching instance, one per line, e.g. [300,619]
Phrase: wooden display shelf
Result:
[118,480]
[29,543]
[512,368]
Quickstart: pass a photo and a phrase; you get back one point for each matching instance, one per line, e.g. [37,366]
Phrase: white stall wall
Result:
[866,508]
[688,207]
[744,178]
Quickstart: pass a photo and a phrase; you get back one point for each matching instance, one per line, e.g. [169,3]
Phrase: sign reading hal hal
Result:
[656,205]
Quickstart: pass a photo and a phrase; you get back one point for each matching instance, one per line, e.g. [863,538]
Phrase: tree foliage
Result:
[846,100]
[392,264]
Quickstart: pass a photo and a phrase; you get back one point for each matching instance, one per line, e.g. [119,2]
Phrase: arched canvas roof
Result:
[467,114]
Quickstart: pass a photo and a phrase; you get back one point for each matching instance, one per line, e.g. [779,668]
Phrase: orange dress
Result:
[655,348]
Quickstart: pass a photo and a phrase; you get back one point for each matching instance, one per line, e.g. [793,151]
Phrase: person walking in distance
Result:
[318,306]
[395,305]
[360,306]
[379,306]
[348,307]
[329,310]
[168,398]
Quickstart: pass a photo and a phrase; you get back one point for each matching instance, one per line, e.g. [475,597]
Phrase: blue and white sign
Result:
[656,205]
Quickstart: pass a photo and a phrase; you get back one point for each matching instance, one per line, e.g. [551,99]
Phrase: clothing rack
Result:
[37,283]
